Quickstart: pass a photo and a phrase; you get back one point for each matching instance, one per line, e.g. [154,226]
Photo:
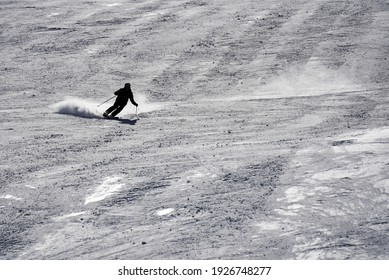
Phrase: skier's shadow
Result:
[128,121]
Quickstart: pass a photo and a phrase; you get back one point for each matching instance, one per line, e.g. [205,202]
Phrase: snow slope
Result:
[263,130]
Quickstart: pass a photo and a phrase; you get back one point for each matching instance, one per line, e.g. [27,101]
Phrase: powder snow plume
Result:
[77,107]
[145,105]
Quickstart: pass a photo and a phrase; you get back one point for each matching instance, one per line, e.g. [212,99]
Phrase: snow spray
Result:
[77,107]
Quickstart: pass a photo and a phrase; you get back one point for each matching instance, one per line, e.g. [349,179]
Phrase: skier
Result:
[123,95]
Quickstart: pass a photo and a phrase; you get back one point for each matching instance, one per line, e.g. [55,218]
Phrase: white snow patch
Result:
[53,15]
[373,140]
[334,174]
[359,148]
[322,189]
[8,196]
[332,212]
[197,175]
[30,187]
[165,212]
[295,194]
[92,50]
[153,14]
[374,135]
[77,107]
[68,216]
[285,212]
[295,206]
[268,225]
[113,5]
[366,167]
[109,187]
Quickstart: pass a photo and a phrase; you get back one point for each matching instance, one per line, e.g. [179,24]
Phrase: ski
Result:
[111,118]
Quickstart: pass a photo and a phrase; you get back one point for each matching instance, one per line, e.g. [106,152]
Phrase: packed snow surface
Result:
[262,130]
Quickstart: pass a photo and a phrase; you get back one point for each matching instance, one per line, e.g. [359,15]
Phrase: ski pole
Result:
[136,112]
[106,101]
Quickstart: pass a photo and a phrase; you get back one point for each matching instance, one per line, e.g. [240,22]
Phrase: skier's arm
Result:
[132,99]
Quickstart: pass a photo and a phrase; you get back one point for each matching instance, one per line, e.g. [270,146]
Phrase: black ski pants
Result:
[117,107]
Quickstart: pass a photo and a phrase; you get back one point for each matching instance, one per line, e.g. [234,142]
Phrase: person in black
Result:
[123,95]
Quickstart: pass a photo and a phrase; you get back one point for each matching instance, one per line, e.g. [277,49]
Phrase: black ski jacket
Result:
[124,92]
